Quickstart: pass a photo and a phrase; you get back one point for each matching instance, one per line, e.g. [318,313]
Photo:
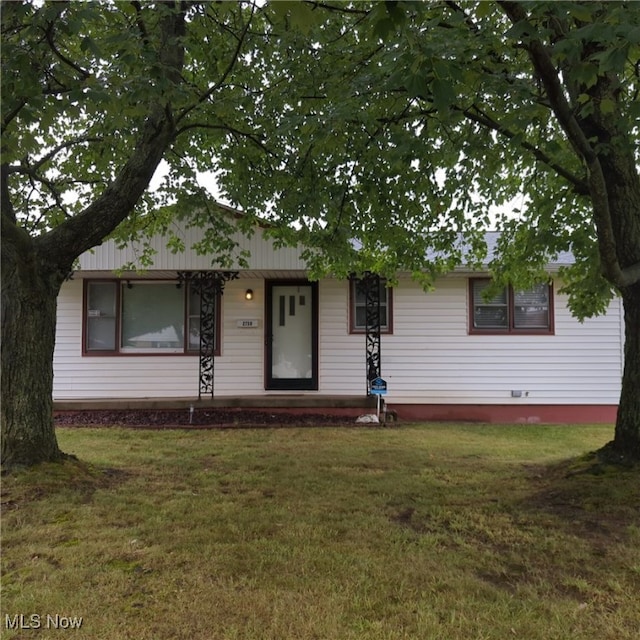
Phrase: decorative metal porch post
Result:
[208,285]
[369,286]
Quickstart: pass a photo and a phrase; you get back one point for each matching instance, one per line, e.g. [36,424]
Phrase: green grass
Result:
[416,532]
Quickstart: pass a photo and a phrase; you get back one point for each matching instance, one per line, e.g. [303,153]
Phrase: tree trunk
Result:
[623,195]
[29,293]
[626,443]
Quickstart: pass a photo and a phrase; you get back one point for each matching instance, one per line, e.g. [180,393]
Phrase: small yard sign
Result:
[378,386]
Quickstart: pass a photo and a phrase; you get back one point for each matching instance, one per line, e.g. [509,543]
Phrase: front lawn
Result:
[451,532]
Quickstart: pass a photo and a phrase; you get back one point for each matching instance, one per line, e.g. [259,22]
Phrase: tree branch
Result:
[6,206]
[579,185]
[546,71]
[232,63]
[229,129]
[51,186]
[140,22]
[75,235]
[15,241]
[84,74]
[340,8]
[12,115]
[35,224]
[31,168]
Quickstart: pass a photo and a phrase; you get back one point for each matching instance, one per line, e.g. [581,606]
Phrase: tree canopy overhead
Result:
[399,124]
[81,81]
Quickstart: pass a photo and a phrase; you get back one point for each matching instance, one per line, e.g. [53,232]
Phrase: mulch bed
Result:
[200,418]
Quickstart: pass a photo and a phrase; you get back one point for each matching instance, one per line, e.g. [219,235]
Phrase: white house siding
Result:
[342,366]
[429,359]
[76,376]
[238,371]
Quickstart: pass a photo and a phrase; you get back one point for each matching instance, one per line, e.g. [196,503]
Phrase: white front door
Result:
[291,335]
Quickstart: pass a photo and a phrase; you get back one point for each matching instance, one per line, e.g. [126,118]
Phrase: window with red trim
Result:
[510,310]
[141,317]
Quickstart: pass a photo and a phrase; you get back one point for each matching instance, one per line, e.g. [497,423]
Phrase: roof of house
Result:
[491,237]
[265,254]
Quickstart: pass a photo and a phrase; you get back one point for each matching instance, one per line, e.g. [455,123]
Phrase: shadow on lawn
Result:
[70,474]
[598,501]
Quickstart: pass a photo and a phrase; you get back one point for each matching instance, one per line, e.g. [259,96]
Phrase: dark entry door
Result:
[291,335]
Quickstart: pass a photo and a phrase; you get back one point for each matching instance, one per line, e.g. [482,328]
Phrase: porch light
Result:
[248,294]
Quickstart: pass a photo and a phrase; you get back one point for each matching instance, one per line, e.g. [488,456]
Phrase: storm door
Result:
[291,335]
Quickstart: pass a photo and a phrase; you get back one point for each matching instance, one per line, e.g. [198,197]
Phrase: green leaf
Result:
[631,33]
[634,111]
[613,59]
[88,44]
[296,14]
[444,94]
[418,87]
[607,106]
[383,27]
[304,17]
[584,73]
[483,9]
[581,11]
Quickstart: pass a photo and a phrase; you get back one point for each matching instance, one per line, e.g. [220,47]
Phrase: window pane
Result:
[479,287]
[194,302]
[383,315]
[531,308]
[359,300]
[101,316]
[490,318]
[152,317]
[492,313]
[194,334]
[361,316]
[194,320]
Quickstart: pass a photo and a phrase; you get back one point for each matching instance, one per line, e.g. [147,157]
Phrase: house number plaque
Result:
[247,324]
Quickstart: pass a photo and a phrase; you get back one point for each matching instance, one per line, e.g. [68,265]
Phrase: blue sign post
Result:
[378,387]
